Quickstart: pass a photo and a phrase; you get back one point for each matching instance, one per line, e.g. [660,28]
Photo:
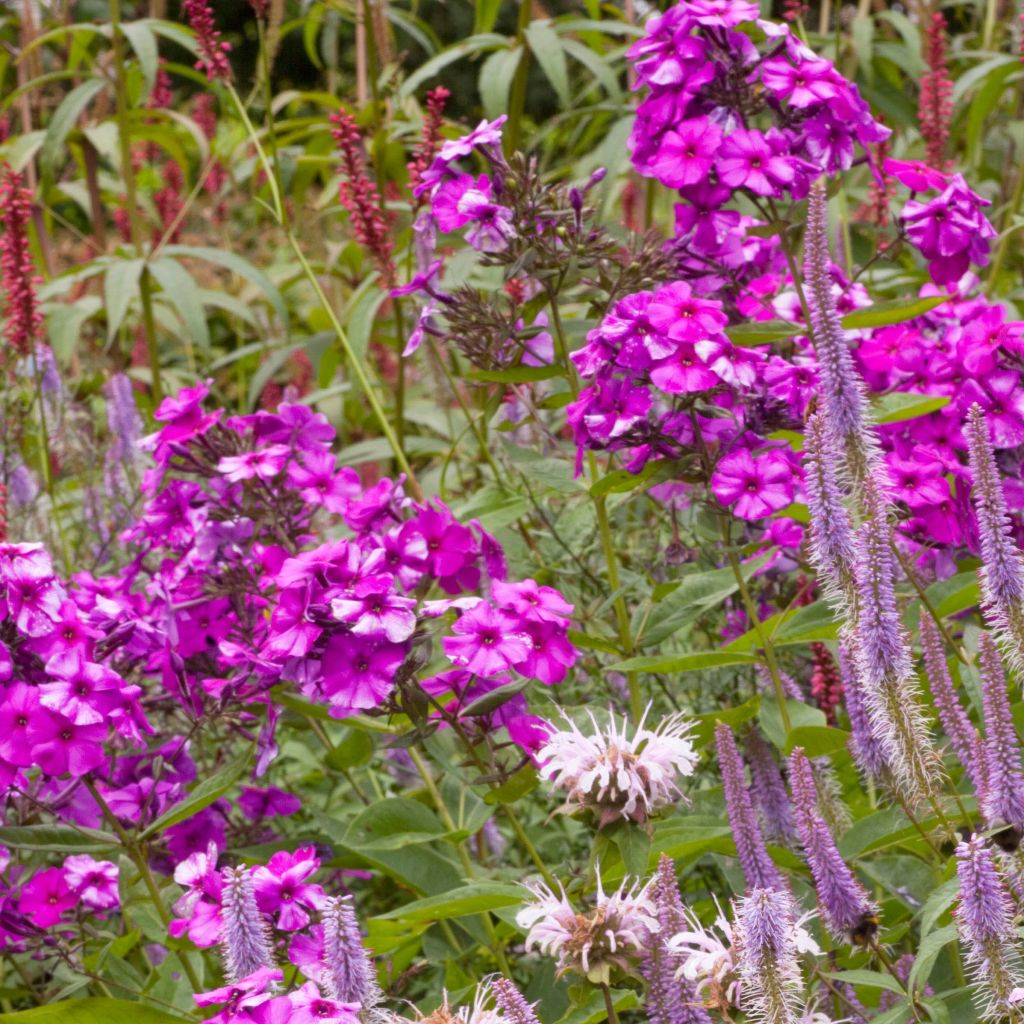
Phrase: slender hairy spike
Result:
[349,974]
[765,920]
[245,942]
[1002,572]
[963,737]
[758,868]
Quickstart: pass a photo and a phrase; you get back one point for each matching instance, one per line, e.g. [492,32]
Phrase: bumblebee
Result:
[1008,839]
[866,929]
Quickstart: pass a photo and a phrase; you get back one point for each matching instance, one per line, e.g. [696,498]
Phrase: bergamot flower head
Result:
[617,775]
[608,936]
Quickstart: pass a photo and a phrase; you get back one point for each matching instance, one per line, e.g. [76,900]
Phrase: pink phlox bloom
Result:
[87,695]
[46,896]
[531,601]
[753,485]
[804,85]
[918,479]
[486,641]
[686,153]
[676,311]
[916,175]
[271,802]
[734,365]
[60,745]
[321,482]
[1002,398]
[374,609]
[94,882]
[281,887]
[263,464]
[183,415]
[358,673]
[242,997]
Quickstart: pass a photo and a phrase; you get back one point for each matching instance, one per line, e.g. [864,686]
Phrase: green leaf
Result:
[208,790]
[546,46]
[619,481]
[634,845]
[896,312]
[64,119]
[524,781]
[697,593]
[938,903]
[237,265]
[143,42]
[898,406]
[479,43]
[470,899]
[94,1011]
[56,838]
[494,699]
[690,662]
[120,285]
[354,750]
[496,74]
[593,1011]
[927,953]
[816,740]
[800,716]
[761,332]
[955,594]
[873,832]
[704,725]
[515,374]
[182,293]
[868,979]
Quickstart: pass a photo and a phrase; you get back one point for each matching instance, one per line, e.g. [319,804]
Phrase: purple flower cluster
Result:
[742,103]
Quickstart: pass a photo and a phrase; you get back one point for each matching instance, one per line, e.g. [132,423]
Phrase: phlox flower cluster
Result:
[742,103]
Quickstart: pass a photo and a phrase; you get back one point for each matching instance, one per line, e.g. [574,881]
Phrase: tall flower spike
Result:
[768,789]
[19,280]
[349,975]
[213,51]
[884,665]
[1001,801]
[867,749]
[768,964]
[371,222]
[984,919]
[844,399]
[935,106]
[670,999]
[430,137]
[244,940]
[963,737]
[843,901]
[514,1007]
[1002,571]
[830,526]
[758,868]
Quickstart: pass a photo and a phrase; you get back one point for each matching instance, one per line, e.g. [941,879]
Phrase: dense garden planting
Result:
[511,514]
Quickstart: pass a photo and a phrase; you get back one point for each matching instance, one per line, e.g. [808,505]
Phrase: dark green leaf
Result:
[898,406]
[689,662]
[470,899]
[816,740]
[56,838]
[94,1011]
[761,332]
[546,46]
[515,374]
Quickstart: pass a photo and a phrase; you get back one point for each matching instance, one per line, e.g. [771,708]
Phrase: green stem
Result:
[1006,230]
[358,371]
[138,859]
[128,176]
[497,947]
[928,606]
[609,1006]
[517,101]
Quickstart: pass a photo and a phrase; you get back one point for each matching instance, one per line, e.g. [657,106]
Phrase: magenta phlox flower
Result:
[1001,397]
[918,479]
[320,482]
[93,881]
[753,484]
[46,896]
[748,159]
[271,802]
[184,418]
[532,601]
[374,609]
[292,634]
[486,136]
[487,641]
[263,464]
[686,153]
[281,887]
[240,998]
[88,694]
[452,549]
[358,673]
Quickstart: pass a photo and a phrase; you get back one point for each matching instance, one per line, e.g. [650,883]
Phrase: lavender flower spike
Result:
[758,868]
[845,401]
[830,528]
[244,940]
[514,1008]
[984,918]
[867,750]
[883,660]
[1001,801]
[768,790]
[768,965]
[349,975]
[963,737]
[1002,572]
[670,999]
[843,901]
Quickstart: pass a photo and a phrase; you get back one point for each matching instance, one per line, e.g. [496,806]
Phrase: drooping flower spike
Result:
[1002,571]
[985,920]
[758,867]
[842,900]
